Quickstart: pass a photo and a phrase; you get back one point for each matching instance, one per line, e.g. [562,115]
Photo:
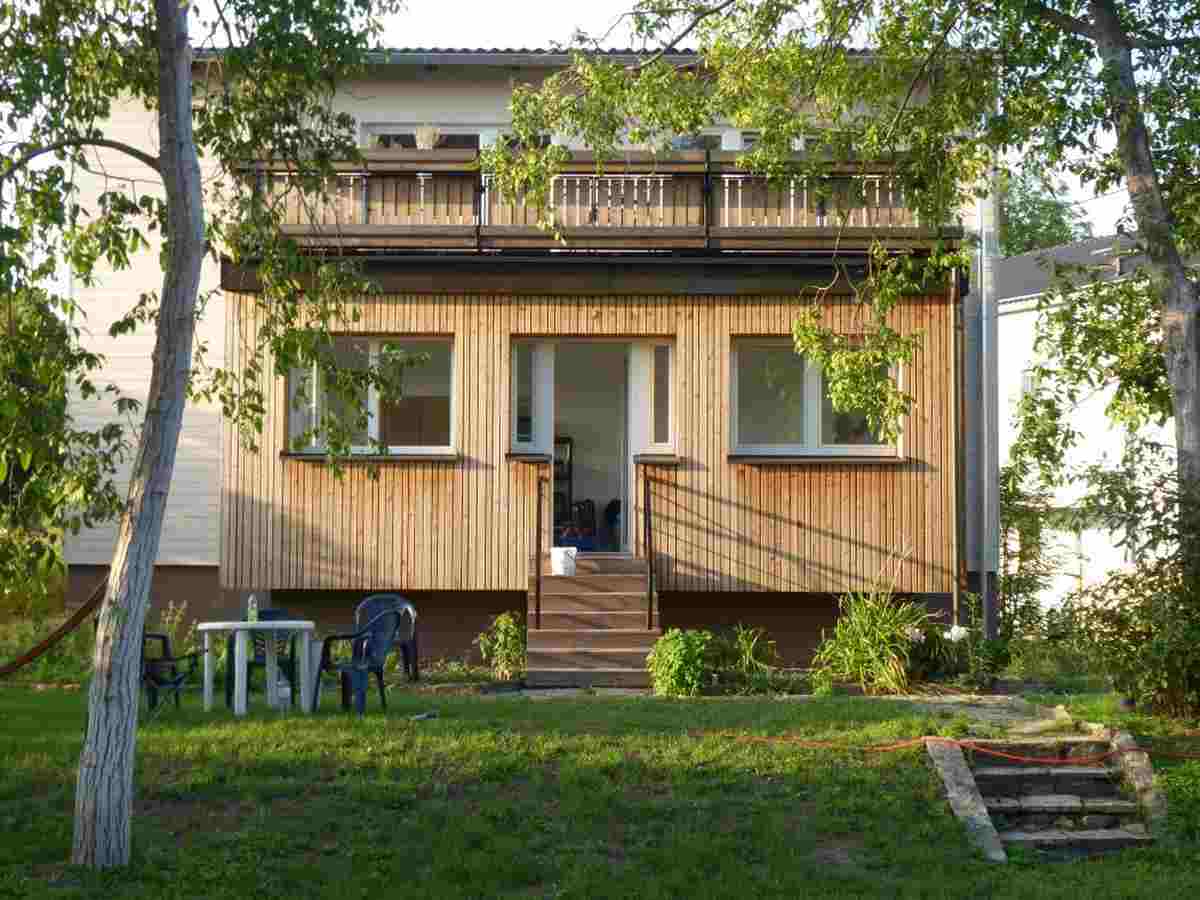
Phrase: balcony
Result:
[438,200]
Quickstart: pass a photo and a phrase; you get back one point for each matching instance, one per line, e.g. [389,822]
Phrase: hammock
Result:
[90,606]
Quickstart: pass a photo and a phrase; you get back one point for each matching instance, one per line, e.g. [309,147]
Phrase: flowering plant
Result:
[915,634]
[956,633]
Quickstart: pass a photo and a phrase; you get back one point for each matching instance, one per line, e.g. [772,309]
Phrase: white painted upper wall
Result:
[477,98]
[190,532]
[470,100]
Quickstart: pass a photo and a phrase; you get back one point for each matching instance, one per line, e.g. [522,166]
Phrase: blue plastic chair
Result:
[381,622]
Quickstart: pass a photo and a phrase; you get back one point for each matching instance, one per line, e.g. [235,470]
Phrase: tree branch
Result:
[912,85]
[1067,23]
[674,42]
[128,150]
[1163,43]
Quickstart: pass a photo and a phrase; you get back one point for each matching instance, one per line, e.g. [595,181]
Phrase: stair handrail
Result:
[537,552]
[647,515]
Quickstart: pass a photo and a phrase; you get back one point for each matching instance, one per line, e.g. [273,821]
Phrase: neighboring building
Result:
[648,357]
[1085,555]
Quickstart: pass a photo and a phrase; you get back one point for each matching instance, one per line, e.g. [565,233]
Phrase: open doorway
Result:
[590,486]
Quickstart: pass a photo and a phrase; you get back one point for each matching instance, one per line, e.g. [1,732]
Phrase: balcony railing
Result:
[863,201]
[636,210]
[605,201]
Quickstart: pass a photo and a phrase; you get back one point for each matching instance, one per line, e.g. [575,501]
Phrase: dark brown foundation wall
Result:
[198,586]
[447,621]
[794,621]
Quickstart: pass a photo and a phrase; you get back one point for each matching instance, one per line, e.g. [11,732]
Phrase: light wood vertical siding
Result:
[719,525]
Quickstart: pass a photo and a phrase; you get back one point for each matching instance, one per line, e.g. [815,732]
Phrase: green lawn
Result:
[509,797]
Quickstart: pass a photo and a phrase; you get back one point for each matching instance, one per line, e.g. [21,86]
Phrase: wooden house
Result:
[630,392]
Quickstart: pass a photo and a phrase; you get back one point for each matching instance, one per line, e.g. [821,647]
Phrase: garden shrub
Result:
[874,642]
[503,646]
[70,660]
[1144,628]
[1059,654]
[1181,784]
[681,662]
[744,659]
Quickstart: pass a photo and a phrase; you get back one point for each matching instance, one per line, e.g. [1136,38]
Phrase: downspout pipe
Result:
[990,413]
[981,390]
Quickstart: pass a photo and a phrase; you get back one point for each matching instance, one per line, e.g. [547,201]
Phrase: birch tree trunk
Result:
[104,795]
[1181,300]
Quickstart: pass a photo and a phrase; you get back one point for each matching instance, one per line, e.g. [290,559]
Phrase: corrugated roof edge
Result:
[505,56]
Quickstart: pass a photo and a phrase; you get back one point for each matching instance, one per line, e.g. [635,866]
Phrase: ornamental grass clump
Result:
[875,643]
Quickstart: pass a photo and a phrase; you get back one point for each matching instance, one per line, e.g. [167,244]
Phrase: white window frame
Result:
[651,445]
[542,400]
[371,449]
[813,412]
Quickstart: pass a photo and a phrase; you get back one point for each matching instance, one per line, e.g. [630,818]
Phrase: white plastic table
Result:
[241,644]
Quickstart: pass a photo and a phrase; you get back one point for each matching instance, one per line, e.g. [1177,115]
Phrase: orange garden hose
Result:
[89,606]
[967,745]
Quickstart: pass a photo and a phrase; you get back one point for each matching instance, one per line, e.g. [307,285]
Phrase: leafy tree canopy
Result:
[1036,214]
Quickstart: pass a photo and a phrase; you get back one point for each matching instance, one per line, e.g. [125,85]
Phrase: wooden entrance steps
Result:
[593,625]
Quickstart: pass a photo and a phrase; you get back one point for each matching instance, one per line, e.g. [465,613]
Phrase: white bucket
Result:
[562,560]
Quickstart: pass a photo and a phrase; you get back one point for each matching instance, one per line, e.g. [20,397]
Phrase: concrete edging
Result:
[965,800]
[1139,775]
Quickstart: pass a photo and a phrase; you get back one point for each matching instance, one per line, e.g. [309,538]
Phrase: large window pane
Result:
[523,374]
[420,415]
[843,428]
[662,394]
[770,395]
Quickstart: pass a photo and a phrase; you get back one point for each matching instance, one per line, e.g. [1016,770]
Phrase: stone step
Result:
[1067,804]
[591,619]
[1039,748]
[585,658]
[1017,781]
[575,677]
[1060,812]
[607,601]
[1089,840]
[591,584]
[601,564]
[592,638]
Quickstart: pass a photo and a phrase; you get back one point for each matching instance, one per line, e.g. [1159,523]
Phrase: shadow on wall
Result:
[702,541]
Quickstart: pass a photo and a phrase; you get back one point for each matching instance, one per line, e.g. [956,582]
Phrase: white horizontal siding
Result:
[190,533]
